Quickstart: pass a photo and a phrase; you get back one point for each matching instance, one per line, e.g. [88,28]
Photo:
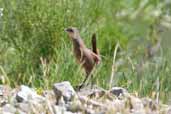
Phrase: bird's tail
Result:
[96,53]
[94,44]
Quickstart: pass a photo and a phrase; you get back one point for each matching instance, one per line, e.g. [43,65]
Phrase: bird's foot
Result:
[79,87]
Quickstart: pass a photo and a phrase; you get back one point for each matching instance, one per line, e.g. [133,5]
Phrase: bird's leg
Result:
[82,84]
[92,78]
[91,81]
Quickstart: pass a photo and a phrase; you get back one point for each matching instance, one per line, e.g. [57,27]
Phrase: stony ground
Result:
[63,99]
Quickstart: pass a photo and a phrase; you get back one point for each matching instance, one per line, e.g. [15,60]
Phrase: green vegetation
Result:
[35,50]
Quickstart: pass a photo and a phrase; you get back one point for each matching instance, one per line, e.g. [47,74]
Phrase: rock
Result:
[25,94]
[32,107]
[65,90]
[90,111]
[117,91]
[8,108]
[94,103]
[12,99]
[23,106]
[92,93]
[62,110]
[136,103]
[152,105]
[97,93]
[37,107]
[50,95]
[119,104]
[89,101]
[75,106]
[3,102]
[6,113]
[1,90]
[169,110]
[4,94]
[4,90]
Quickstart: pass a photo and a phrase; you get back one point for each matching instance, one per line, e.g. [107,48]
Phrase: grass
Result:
[36,51]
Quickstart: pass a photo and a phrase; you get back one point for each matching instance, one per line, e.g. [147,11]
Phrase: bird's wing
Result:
[96,57]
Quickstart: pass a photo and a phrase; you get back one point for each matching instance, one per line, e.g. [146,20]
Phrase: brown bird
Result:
[86,57]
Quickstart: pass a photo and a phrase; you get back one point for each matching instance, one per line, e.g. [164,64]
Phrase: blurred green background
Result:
[35,50]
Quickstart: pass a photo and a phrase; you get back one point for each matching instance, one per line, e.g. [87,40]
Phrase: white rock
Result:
[25,94]
[8,108]
[64,89]
[117,91]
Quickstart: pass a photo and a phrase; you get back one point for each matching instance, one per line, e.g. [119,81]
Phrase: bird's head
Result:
[73,32]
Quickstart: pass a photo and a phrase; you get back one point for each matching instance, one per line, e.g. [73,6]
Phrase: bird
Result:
[86,57]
